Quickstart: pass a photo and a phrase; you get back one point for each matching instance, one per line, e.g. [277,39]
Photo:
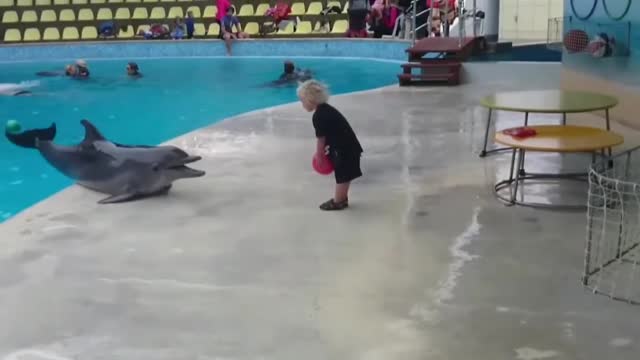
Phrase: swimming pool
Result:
[175,96]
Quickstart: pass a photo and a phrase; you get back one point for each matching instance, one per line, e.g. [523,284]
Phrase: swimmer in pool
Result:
[21,89]
[292,75]
[77,70]
[133,70]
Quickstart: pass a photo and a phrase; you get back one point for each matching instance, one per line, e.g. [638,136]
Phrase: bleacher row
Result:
[75,20]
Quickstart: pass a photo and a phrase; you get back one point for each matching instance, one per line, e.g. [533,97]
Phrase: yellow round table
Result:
[551,138]
[546,102]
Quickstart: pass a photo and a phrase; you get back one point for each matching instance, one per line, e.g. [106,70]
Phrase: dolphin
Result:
[10,89]
[124,172]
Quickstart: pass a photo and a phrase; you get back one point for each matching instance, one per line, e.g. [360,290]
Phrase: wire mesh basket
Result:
[598,39]
[612,251]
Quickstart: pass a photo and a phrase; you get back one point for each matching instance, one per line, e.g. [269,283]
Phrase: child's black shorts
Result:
[346,167]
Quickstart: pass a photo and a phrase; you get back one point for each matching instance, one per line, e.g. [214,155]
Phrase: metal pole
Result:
[460,23]
[473,16]
[413,23]
[444,20]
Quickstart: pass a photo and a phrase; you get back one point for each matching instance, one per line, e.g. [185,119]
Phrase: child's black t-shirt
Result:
[334,127]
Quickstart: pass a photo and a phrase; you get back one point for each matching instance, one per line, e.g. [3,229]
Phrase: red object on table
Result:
[520,132]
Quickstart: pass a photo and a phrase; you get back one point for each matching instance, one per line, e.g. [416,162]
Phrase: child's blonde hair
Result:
[313,91]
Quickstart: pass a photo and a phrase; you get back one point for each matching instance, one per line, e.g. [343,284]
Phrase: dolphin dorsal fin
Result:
[91,133]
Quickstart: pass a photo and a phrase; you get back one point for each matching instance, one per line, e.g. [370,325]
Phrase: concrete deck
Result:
[241,264]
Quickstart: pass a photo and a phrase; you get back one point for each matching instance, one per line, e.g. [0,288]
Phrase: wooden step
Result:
[454,65]
[448,78]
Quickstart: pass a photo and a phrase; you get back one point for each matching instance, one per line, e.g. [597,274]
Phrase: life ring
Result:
[586,17]
[615,18]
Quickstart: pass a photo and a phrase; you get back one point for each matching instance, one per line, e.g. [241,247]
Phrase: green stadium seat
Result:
[43,2]
[104,14]
[9,17]
[77,2]
[158,13]
[89,33]
[315,8]
[12,35]
[304,27]
[140,13]
[31,34]
[98,1]
[184,0]
[345,8]
[67,15]
[48,16]
[61,2]
[252,28]
[51,34]
[85,15]
[297,8]
[133,1]
[210,11]
[9,3]
[195,10]
[29,16]
[214,30]
[116,1]
[123,14]
[142,27]
[246,10]
[261,9]
[149,1]
[334,3]
[175,12]
[126,34]
[287,30]
[167,0]
[199,30]
[70,33]
[340,27]
[24,2]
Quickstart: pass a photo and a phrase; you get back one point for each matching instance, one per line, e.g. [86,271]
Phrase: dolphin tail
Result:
[29,138]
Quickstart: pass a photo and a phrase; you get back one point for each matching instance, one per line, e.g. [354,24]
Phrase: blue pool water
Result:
[174,97]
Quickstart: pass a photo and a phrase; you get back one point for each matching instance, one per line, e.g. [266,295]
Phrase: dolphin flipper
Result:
[118,198]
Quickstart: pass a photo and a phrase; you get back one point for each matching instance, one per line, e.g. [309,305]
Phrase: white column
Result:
[491,10]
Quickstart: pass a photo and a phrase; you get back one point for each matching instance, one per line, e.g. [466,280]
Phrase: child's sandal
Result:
[331,205]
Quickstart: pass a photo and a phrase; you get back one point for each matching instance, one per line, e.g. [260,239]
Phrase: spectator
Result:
[440,9]
[358,11]
[280,15]
[383,19]
[190,23]
[156,31]
[229,22]
[178,29]
[325,24]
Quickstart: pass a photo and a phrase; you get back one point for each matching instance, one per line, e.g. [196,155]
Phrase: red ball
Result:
[324,170]
[576,41]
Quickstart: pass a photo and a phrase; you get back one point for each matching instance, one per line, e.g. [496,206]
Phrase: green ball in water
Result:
[13,126]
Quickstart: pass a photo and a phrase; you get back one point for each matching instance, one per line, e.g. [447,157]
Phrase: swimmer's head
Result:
[132,68]
[289,67]
[312,93]
[70,70]
[81,63]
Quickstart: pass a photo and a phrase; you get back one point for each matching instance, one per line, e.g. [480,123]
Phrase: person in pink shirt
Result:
[223,6]
[383,20]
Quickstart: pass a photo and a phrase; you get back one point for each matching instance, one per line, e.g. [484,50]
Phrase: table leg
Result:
[564,118]
[526,119]
[526,122]
[513,164]
[486,135]
[609,150]
[514,192]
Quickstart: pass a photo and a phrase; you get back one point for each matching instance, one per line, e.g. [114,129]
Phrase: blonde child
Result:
[335,138]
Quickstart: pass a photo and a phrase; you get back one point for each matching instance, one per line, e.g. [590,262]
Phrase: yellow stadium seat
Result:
[67,15]
[85,15]
[195,11]
[199,30]
[345,8]
[297,9]
[24,2]
[214,30]
[184,0]
[29,16]
[98,1]
[10,16]
[12,35]
[340,26]
[262,8]
[287,30]
[210,12]
[304,27]
[115,1]
[123,14]
[133,1]
[246,10]
[143,27]
[78,2]
[315,8]
[167,0]
[334,3]
[158,13]
[149,0]
[48,16]
[31,34]
[9,3]
[43,2]
[104,14]
[175,12]
[51,34]
[140,13]
[252,28]
[128,33]
[89,33]
[61,2]
[70,33]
